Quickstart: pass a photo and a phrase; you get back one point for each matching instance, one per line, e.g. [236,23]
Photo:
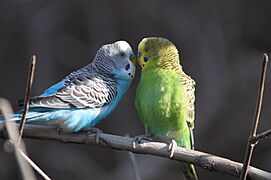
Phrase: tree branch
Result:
[204,160]
[20,152]
[264,135]
[255,122]
[27,96]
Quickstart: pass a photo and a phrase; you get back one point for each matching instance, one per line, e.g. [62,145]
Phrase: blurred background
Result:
[221,45]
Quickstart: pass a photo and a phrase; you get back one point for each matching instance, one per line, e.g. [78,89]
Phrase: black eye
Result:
[147,49]
[122,54]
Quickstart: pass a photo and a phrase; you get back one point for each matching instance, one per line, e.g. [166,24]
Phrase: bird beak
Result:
[133,58]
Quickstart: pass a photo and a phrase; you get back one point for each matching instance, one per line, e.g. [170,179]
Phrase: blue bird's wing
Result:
[48,92]
[53,89]
[80,91]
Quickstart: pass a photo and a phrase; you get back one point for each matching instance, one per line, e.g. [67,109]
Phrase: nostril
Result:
[129,74]
[139,53]
[127,67]
[132,76]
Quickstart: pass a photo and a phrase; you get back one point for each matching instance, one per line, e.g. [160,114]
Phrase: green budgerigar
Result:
[165,97]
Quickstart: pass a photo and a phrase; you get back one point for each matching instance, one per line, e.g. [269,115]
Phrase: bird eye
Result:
[122,54]
[147,49]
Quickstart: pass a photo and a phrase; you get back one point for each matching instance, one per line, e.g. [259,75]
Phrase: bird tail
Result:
[13,117]
[188,170]
[18,116]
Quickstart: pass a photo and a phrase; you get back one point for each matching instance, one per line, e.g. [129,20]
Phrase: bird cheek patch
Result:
[142,64]
[127,67]
[129,70]
[145,59]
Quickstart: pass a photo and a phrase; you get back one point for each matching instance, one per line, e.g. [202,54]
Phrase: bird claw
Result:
[171,147]
[97,132]
[138,139]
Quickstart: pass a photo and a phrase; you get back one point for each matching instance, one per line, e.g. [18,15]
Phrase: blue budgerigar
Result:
[88,95]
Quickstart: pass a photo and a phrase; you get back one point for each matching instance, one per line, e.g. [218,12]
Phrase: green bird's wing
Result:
[189,86]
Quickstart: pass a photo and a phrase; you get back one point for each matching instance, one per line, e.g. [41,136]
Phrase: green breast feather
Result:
[161,103]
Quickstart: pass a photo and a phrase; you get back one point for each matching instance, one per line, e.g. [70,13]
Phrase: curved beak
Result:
[132,58]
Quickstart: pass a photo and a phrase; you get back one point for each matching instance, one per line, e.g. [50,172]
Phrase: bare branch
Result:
[250,145]
[264,135]
[204,160]
[34,166]
[12,132]
[27,96]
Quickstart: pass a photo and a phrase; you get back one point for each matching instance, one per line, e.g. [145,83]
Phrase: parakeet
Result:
[165,96]
[88,95]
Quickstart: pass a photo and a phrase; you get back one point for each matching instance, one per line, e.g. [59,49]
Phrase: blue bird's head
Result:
[117,59]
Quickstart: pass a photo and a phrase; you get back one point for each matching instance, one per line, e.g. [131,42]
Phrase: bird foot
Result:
[171,147]
[97,132]
[138,139]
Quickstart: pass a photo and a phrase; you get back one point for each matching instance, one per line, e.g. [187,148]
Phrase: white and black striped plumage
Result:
[81,90]
[87,95]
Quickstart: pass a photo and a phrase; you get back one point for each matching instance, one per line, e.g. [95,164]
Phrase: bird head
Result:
[117,59]
[156,51]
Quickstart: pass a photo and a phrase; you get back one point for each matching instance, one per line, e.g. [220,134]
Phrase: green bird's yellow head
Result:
[157,52]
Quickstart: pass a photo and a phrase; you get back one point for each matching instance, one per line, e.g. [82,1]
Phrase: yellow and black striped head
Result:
[156,51]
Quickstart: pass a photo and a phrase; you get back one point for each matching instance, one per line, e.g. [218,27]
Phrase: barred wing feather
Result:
[82,91]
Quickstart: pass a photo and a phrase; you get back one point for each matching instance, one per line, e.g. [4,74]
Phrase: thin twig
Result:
[33,165]
[261,136]
[201,159]
[12,131]
[250,145]
[20,152]
[27,96]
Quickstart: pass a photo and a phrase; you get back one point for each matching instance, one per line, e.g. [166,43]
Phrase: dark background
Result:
[221,45]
